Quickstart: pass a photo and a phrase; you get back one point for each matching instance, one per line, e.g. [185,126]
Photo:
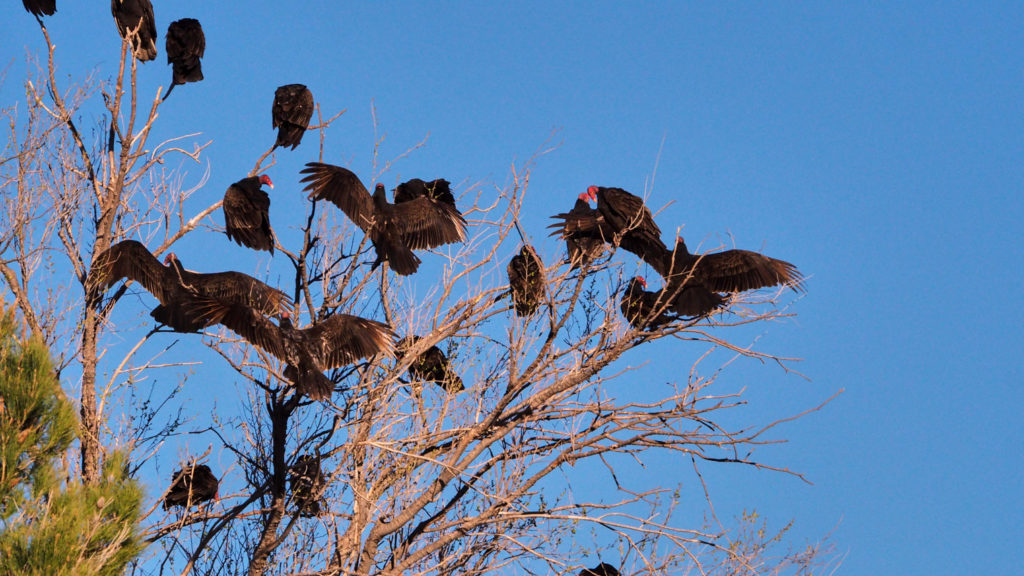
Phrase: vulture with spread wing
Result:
[247,213]
[177,288]
[40,7]
[292,109]
[639,305]
[185,44]
[191,485]
[336,341]
[396,230]
[136,16]
[432,366]
[307,485]
[439,190]
[526,280]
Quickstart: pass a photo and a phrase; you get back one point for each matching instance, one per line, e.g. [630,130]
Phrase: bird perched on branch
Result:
[526,280]
[247,213]
[639,306]
[583,240]
[417,223]
[136,22]
[191,485]
[177,288]
[185,44]
[431,366]
[40,7]
[292,109]
[307,485]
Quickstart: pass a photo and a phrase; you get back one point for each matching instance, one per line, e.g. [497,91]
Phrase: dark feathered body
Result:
[419,223]
[526,280]
[439,190]
[247,213]
[292,109]
[136,15]
[629,221]
[639,306]
[336,341]
[191,485]
[307,485]
[40,7]
[431,366]
[601,569]
[185,44]
[177,288]
[583,232]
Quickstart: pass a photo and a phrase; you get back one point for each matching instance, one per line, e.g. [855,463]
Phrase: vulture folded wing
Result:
[342,188]
[427,223]
[132,260]
[246,217]
[343,339]
[741,270]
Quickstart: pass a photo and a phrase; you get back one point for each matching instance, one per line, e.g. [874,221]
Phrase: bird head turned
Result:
[170,258]
[592,193]
[641,280]
[264,179]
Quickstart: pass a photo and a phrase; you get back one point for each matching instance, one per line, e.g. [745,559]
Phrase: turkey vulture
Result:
[177,288]
[728,271]
[336,341]
[432,366]
[638,306]
[526,280]
[439,190]
[191,485]
[601,569]
[185,44]
[583,242]
[247,213]
[307,485]
[136,16]
[395,229]
[40,7]
[292,109]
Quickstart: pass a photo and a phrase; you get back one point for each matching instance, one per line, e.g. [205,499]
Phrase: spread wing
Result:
[239,288]
[251,325]
[342,339]
[427,223]
[439,190]
[132,260]
[342,188]
[740,270]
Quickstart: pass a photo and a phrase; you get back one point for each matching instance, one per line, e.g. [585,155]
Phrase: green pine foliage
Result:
[49,525]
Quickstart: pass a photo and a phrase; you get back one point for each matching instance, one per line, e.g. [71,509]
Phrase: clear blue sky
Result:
[880,148]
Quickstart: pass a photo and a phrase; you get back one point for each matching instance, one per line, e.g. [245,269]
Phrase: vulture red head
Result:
[264,179]
[585,197]
[641,280]
[592,193]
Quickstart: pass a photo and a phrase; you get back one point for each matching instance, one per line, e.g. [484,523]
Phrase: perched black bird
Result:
[583,240]
[136,16]
[40,7]
[185,45]
[292,109]
[431,366]
[639,305]
[191,485]
[247,213]
[601,569]
[526,280]
[177,289]
[621,219]
[338,340]
[418,223]
[307,485]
